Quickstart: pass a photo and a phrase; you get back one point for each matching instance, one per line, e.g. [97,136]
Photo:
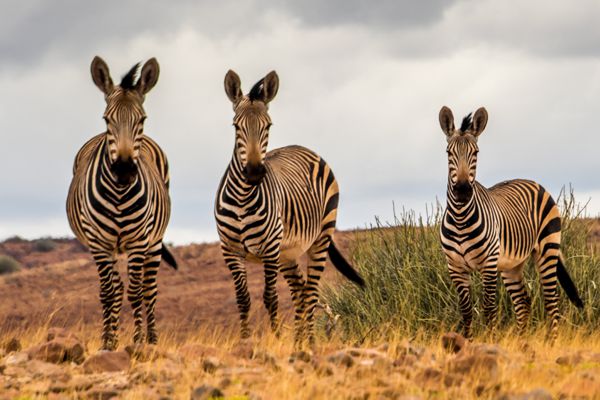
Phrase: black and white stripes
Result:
[118,201]
[272,208]
[496,230]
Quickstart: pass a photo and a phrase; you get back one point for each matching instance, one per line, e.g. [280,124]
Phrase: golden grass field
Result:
[199,353]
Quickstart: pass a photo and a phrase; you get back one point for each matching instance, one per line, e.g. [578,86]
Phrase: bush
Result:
[8,265]
[44,245]
[409,290]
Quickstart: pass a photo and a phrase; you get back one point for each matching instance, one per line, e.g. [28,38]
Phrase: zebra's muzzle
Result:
[124,170]
[463,191]
[254,173]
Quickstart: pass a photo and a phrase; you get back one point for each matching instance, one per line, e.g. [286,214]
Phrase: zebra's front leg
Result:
[270,295]
[490,288]
[316,265]
[111,294]
[150,283]
[136,259]
[514,282]
[295,280]
[242,296]
[462,282]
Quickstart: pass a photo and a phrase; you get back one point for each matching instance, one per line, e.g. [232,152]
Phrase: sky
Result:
[361,83]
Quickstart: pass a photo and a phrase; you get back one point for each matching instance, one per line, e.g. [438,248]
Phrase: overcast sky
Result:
[361,83]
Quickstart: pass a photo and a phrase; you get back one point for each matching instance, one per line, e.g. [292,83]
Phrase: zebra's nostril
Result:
[125,170]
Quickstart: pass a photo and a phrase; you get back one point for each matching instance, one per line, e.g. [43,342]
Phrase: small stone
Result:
[211,364]
[206,392]
[58,350]
[483,365]
[300,356]
[54,333]
[570,359]
[107,361]
[16,358]
[341,358]
[428,376]
[453,342]
[13,345]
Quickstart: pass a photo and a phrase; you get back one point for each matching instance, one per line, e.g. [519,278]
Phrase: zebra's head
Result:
[124,114]
[251,122]
[462,151]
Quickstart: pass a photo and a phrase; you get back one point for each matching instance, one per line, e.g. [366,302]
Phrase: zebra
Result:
[272,207]
[118,201]
[496,229]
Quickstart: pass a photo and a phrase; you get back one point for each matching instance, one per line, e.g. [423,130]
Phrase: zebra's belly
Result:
[507,262]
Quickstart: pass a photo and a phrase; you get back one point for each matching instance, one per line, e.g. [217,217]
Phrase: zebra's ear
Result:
[101,75]
[479,121]
[233,87]
[270,86]
[447,121]
[148,76]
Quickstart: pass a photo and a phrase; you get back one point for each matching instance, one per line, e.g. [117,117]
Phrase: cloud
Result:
[360,91]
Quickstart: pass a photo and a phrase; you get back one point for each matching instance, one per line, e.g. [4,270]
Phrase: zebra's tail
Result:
[168,257]
[567,284]
[340,263]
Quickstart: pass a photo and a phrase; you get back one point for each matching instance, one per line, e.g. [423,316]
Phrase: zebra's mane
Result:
[256,93]
[130,79]
[467,122]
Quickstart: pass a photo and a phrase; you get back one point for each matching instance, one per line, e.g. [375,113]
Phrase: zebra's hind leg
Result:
[462,282]
[242,296]
[546,265]
[150,283]
[295,280]
[109,297]
[317,258]
[514,282]
[490,287]
[270,295]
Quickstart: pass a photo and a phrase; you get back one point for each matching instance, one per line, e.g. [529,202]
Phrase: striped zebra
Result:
[272,208]
[497,229]
[118,201]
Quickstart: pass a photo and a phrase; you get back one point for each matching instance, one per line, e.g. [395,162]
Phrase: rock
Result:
[266,358]
[405,360]
[482,366]
[13,345]
[341,358]
[206,392]
[453,342]
[142,352]
[428,376]
[244,350]
[536,394]
[58,350]
[300,356]
[41,369]
[581,385]
[107,361]
[101,394]
[570,359]
[211,364]
[369,353]
[408,348]
[16,358]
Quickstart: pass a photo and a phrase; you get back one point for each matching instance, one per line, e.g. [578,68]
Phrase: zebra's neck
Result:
[243,190]
[461,211]
[108,177]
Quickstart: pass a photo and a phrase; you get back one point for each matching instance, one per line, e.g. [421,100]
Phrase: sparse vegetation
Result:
[44,245]
[409,290]
[8,265]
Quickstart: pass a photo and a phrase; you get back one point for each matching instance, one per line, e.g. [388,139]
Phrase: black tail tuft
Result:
[338,260]
[567,284]
[168,257]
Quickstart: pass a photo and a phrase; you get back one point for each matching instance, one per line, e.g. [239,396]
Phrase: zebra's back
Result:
[308,191]
[527,215]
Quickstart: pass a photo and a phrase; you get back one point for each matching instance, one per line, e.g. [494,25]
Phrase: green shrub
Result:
[8,265]
[44,245]
[409,290]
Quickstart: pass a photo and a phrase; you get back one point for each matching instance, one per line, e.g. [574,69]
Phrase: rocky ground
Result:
[63,366]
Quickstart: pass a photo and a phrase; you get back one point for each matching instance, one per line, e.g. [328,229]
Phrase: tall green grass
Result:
[409,290]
